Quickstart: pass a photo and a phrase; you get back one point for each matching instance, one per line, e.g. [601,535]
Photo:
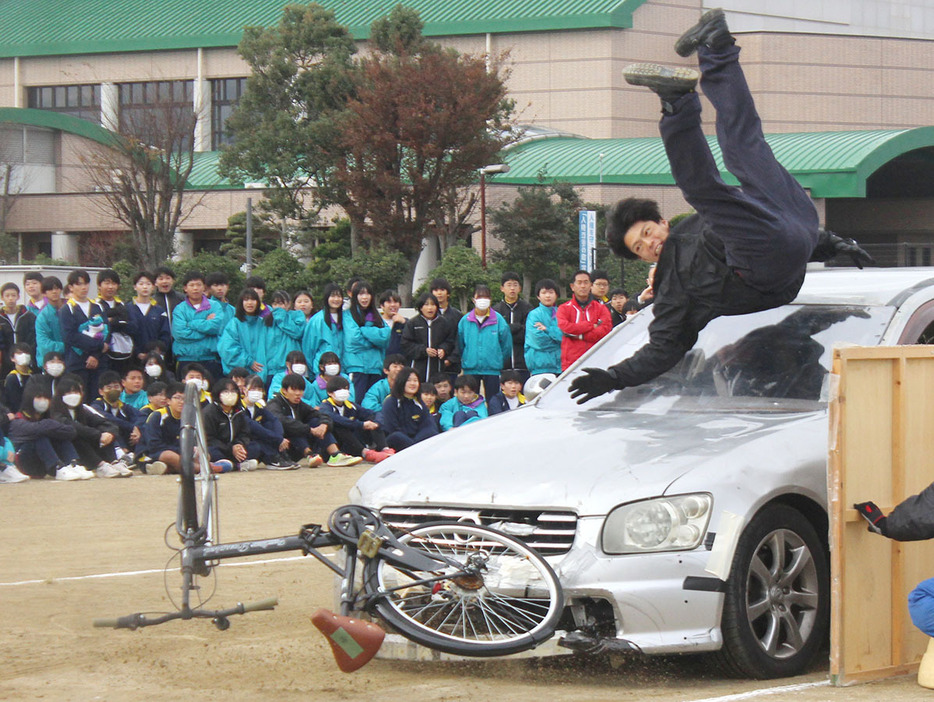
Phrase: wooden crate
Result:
[881,449]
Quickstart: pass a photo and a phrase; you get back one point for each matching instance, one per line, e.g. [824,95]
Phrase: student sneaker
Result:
[122,468]
[249,464]
[72,472]
[12,474]
[374,456]
[282,463]
[342,459]
[156,468]
[105,470]
[221,466]
[82,472]
[312,461]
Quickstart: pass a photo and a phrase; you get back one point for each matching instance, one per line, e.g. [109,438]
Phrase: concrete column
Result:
[184,244]
[110,106]
[202,105]
[17,84]
[65,246]
[428,260]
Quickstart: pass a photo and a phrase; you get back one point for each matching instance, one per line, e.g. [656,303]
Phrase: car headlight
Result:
[676,523]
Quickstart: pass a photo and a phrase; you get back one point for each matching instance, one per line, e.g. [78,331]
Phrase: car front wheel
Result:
[775,614]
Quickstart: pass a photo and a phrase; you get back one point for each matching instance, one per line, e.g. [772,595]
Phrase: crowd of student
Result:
[96,387]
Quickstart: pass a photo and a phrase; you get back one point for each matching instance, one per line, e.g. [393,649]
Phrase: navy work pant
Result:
[768,224]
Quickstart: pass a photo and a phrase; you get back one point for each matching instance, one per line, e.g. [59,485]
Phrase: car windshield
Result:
[776,360]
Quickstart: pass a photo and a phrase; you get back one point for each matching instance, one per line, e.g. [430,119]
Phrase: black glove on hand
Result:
[872,514]
[593,383]
[830,245]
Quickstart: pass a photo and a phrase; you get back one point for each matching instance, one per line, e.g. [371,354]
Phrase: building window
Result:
[225,94]
[151,109]
[82,101]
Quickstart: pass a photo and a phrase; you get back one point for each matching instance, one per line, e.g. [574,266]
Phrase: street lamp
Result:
[495,168]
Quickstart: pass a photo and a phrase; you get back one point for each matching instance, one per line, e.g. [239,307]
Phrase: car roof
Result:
[871,286]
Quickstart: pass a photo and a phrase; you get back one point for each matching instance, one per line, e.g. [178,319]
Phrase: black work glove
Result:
[593,383]
[872,514]
[830,245]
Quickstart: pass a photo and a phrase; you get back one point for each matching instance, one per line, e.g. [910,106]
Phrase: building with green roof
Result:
[845,99]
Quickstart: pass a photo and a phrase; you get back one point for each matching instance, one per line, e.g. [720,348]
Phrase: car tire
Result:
[777,600]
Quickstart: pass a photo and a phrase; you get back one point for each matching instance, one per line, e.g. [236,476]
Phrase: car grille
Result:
[548,532]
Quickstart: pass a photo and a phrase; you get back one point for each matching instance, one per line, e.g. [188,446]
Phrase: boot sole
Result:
[657,77]
[689,41]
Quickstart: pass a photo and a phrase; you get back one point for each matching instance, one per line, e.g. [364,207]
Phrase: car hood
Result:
[586,461]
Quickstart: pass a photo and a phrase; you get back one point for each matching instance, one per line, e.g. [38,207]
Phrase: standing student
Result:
[510,394]
[600,286]
[48,328]
[304,303]
[167,297]
[366,338]
[389,305]
[441,289]
[243,341]
[405,420]
[484,341]
[428,339]
[148,321]
[583,320]
[542,335]
[84,331]
[120,352]
[217,285]
[196,326]
[514,310]
[617,306]
[17,325]
[35,298]
[325,330]
[467,405]
[285,333]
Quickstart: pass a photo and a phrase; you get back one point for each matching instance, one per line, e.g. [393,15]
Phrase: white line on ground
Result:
[139,572]
[765,691]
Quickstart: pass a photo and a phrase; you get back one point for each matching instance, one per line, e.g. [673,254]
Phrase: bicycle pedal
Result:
[369,543]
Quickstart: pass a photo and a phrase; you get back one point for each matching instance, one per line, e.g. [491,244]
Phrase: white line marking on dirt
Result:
[765,691]
[139,572]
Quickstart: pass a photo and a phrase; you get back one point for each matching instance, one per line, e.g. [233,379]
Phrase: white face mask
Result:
[342,395]
[41,405]
[228,399]
[54,368]
[331,368]
[254,395]
[154,371]
[72,399]
[482,303]
[299,368]
[21,359]
[203,385]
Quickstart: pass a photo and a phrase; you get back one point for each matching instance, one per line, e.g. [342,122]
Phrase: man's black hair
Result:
[32,275]
[581,272]
[240,372]
[509,374]
[621,216]
[427,388]
[51,282]
[49,355]
[599,275]
[440,284]
[130,369]
[482,291]
[293,381]
[440,377]
[388,295]
[197,368]
[618,291]
[255,282]
[391,358]
[165,270]
[546,284]
[510,275]
[216,278]
[192,275]
[172,389]
[108,377]
[22,347]
[108,274]
[144,274]
[467,381]
[78,275]
[156,387]
[9,286]
[337,382]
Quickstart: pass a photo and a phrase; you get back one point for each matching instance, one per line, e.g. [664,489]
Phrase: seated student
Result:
[132,383]
[9,473]
[267,441]
[466,406]
[542,335]
[18,377]
[198,374]
[155,368]
[285,334]
[53,367]
[328,367]
[95,436]
[353,426]
[429,397]
[119,413]
[443,386]
[225,428]
[307,430]
[392,364]
[43,445]
[510,393]
[405,420]
[155,393]
[296,363]
[240,375]
[149,321]
[48,330]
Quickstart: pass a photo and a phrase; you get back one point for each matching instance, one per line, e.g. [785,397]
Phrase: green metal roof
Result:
[55,120]
[64,27]
[829,164]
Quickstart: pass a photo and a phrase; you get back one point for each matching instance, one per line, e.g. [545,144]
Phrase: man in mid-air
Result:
[747,247]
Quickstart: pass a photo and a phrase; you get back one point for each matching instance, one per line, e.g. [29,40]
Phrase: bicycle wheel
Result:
[195,510]
[502,597]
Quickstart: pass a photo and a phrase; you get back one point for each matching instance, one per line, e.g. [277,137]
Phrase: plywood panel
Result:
[881,449]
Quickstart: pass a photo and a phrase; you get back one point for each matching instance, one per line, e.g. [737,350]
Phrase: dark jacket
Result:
[148,327]
[452,316]
[224,430]
[80,342]
[349,416]
[89,424]
[296,419]
[13,389]
[263,425]
[419,335]
[693,285]
[912,519]
[22,330]
[498,403]
[407,417]
[125,417]
[118,319]
[515,316]
[168,301]
[24,429]
[160,433]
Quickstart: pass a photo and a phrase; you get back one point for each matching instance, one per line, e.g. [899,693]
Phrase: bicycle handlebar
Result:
[138,620]
[268,603]
[131,621]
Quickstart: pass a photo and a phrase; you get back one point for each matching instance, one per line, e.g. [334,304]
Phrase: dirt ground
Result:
[72,552]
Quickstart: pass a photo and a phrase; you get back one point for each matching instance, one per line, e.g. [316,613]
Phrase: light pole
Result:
[495,168]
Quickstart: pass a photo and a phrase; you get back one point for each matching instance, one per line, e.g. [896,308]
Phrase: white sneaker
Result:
[156,468]
[82,472]
[122,468]
[105,470]
[69,472]
[249,464]
[12,474]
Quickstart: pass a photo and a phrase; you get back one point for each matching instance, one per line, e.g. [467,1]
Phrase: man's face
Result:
[33,288]
[617,302]
[54,295]
[143,287]
[133,382]
[392,372]
[107,289]
[164,282]
[465,395]
[193,375]
[10,298]
[444,390]
[600,287]
[511,289]
[441,295]
[391,307]
[219,290]
[194,289]
[548,297]
[511,388]
[646,239]
[176,403]
[159,401]
[581,286]
[293,395]
[79,290]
